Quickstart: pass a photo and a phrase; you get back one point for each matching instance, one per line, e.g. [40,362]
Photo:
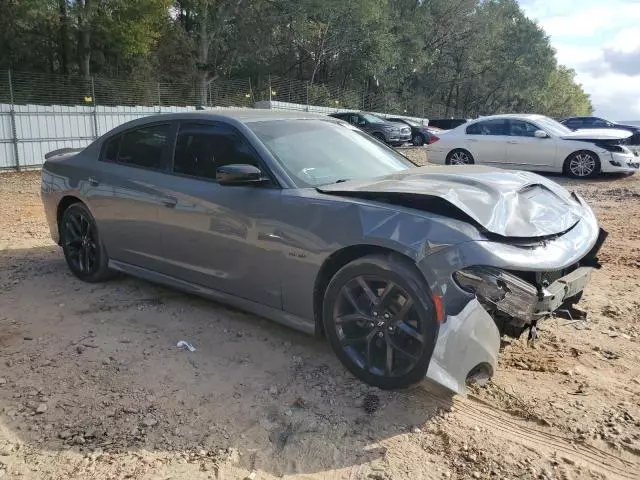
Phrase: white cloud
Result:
[601,41]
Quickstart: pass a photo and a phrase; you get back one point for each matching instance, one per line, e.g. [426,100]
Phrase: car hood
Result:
[598,134]
[506,203]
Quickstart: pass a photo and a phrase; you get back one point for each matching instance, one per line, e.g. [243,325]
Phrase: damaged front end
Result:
[517,300]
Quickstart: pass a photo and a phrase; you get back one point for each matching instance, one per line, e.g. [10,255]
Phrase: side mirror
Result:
[540,134]
[239,174]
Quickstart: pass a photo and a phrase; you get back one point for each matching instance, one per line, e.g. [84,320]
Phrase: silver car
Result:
[408,272]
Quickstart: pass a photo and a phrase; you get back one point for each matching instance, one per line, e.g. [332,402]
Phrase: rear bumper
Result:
[466,342]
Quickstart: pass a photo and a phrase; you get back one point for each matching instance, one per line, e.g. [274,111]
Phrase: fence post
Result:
[95,109]
[14,131]
[159,99]
[269,90]
[307,83]
[253,99]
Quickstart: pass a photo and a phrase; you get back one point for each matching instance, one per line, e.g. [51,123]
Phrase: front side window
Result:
[488,127]
[144,147]
[518,128]
[319,152]
[202,148]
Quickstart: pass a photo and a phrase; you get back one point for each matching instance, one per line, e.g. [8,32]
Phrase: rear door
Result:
[220,236]
[124,194]
[526,151]
[487,141]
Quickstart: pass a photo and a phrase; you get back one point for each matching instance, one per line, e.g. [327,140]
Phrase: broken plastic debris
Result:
[187,345]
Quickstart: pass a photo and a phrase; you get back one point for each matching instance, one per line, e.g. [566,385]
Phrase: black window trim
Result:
[167,155]
[273,182]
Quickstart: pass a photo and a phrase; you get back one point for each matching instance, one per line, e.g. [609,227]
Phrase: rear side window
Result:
[489,127]
[144,147]
[202,148]
[111,148]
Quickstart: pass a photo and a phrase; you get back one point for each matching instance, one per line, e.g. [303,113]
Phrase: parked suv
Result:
[582,123]
[420,134]
[388,132]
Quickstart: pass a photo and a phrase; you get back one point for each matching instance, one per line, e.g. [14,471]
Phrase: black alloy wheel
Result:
[379,324]
[83,251]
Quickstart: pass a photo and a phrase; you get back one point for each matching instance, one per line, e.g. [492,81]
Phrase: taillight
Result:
[433,139]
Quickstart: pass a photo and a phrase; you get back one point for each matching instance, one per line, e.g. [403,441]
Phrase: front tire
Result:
[460,156]
[380,321]
[582,164]
[83,250]
[380,137]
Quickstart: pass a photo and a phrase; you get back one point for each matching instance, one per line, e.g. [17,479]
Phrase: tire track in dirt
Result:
[503,424]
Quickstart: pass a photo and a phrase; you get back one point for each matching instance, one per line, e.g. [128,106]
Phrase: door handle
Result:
[93,182]
[473,139]
[170,202]
[511,142]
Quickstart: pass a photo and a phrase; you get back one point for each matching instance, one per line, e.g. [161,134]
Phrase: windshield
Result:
[319,152]
[372,118]
[551,126]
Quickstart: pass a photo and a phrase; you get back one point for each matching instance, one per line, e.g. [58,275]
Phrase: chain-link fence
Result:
[43,112]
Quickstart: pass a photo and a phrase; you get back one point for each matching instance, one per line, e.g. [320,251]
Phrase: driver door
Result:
[212,235]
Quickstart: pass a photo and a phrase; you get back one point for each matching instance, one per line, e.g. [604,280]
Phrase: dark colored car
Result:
[409,272]
[388,132]
[582,123]
[420,134]
[447,123]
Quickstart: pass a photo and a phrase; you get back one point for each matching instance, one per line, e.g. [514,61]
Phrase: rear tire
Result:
[378,336]
[417,140]
[582,164]
[83,250]
[460,156]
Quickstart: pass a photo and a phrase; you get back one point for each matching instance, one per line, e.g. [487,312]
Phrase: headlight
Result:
[499,289]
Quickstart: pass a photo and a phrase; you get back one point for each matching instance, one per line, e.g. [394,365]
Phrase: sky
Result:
[600,40]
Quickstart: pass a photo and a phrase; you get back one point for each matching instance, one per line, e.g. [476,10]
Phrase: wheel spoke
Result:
[404,310]
[386,295]
[87,258]
[81,254]
[409,330]
[348,295]
[352,317]
[367,290]
[73,227]
[367,357]
[400,351]
[355,340]
[389,362]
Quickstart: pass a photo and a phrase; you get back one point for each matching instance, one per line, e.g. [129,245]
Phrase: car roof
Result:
[233,116]
[517,116]
[244,115]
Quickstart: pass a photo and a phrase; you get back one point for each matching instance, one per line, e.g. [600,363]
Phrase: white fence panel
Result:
[42,128]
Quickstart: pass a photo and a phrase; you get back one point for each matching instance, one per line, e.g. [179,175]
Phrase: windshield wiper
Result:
[342,180]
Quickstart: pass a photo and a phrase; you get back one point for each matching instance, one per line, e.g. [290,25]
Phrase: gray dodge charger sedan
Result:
[409,272]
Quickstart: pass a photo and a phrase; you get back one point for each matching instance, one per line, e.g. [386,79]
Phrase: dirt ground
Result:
[92,385]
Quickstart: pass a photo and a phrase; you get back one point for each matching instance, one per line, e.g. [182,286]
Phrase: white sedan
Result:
[535,142]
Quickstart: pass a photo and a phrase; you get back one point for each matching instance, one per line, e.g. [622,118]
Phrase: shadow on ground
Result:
[95,368]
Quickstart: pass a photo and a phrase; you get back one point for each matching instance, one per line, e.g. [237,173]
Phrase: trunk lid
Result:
[507,203]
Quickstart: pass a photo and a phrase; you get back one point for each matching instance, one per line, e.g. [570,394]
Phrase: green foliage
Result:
[422,57]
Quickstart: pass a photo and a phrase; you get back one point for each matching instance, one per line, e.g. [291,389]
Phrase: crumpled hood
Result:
[598,134]
[507,203]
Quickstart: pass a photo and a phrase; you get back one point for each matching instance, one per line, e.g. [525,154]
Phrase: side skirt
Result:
[279,316]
